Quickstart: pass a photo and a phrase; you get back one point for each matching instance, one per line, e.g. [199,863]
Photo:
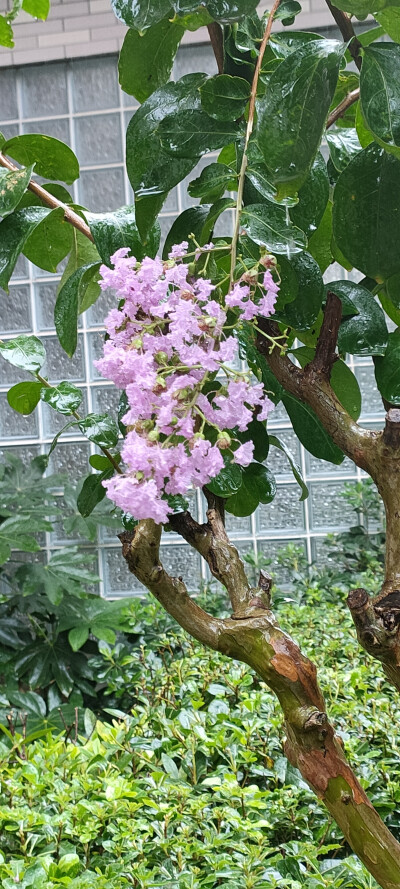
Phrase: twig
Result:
[345,26]
[249,130]
[50,201]
[325,356]
[340,110]
[217,43]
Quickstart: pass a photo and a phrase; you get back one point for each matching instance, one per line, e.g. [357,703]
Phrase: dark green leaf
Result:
[257,433]
[319,244]
[50,241]
[260,480]
[193,133]
[99,462]
[227,11]
[227,482]
[13,184]
[212,183]
[361,8]
[52,158]
[343,144]
[189,222]
[140,14]
[146,60]
[101,429]
[313,198]
[68,303]
[14,231]
[277,443]
[215,211]
[25,352]
[365,333]
[267,224]
[366,223]
[224,97]
[387,370]
[151,169]
[83,253]
[310,431]
[111,231]
[380,91]
[301,276]
[91,493]
[177,503]
[64,398]
[293,111]
[24,397]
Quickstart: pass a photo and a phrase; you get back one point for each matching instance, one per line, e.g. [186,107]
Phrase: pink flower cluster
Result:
[166,347]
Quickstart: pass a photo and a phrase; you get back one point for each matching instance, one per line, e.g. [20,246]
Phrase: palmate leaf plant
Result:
[50,622]
[189,415]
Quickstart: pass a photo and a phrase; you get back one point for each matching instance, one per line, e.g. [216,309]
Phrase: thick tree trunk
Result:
[253,636]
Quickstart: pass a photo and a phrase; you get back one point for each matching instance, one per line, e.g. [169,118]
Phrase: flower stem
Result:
[249,130]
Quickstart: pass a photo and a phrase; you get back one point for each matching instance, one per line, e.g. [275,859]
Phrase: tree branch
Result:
[213,544]
[217,43]
[50,201]
[340,109]
[313,389]
[345,26]
[325,352]
[311,744]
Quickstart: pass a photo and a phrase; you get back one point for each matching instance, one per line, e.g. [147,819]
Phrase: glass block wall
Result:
[80,103]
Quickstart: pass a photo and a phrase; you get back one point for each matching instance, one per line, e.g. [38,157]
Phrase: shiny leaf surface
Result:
[52,158]
[146,60]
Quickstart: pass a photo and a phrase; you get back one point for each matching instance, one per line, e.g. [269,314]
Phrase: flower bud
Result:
[224,441]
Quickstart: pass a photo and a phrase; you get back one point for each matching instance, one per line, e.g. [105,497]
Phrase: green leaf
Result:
[169,766]
[64,398]
[301,278]
[259,478]
[145,61]
[277,443]
[14,231]
[83,253]
[319,244]
[140,14]
[228,11]
[387,370]
[101,429]
[366,223]
[224,97]
[389,18]
[68,304]
[227,482]
[50,241]
[257,433]
[13,185]
[39,9]
[212,183]
[24,397]
[293,111]
[310,431]
[191,221]
[151,169]
[117,229]
[99,462]
[313,198]
[91,493]
[266,224]
[194,133]
[258,486]
[78,636]
[25,352]
[6,33]
[361,8]
[380,91]
[343,144]
[365,333]
[214,212]
[52,158]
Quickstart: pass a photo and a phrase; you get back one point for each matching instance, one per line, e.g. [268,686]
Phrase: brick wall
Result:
[80,28]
